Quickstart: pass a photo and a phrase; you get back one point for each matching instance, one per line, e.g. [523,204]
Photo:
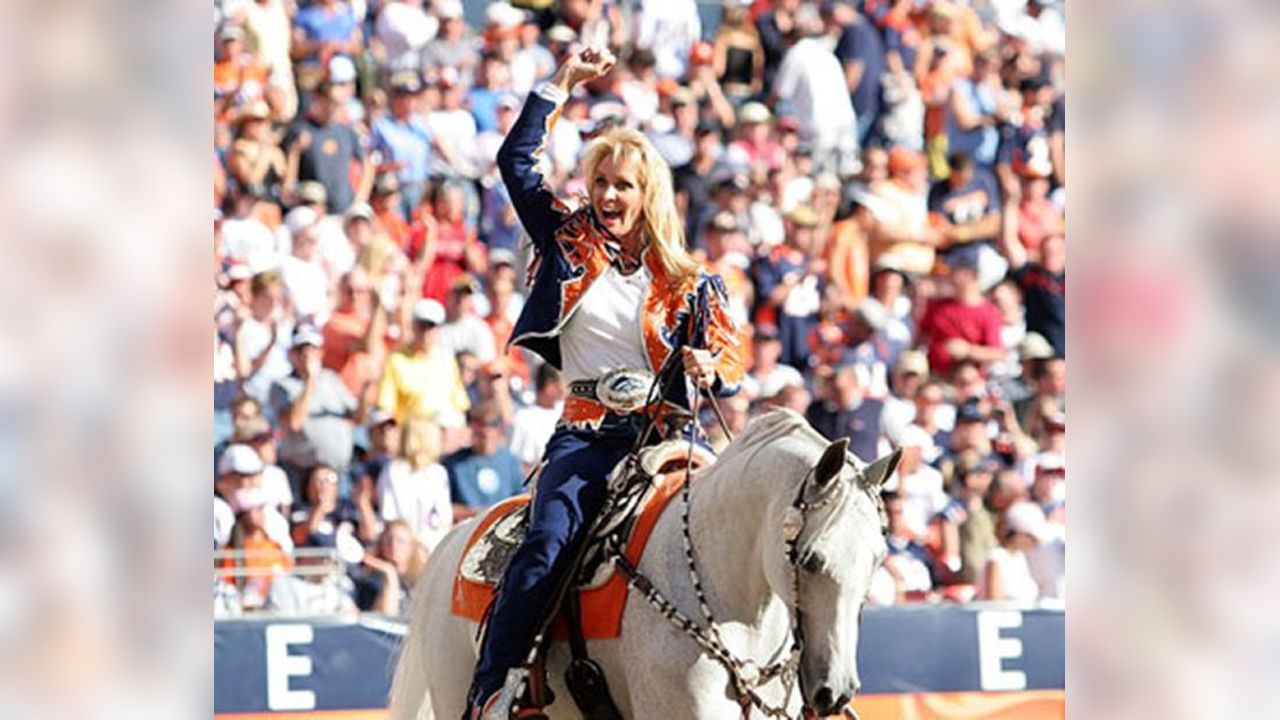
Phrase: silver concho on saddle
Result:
[629,487]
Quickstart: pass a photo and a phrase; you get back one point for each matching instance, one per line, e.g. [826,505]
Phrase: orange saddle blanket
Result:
[603,599]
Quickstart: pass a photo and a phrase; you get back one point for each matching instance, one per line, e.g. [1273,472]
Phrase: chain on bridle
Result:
[745,676]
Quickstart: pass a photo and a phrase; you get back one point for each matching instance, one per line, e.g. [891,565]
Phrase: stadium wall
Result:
[916,662]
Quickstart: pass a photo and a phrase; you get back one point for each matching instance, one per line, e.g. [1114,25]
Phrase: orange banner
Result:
[1024,705]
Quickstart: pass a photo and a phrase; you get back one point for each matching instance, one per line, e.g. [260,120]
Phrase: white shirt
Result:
[1048,564]
[531,428]
[468,333]
[669,28]
[335,247]
[276,486]
[922,497]
[308,286]
[605,332]
[813,80]
[404,30]
[457,129]
[780,377]
[250,242]
[419,498]
[1015,575]
[223,520]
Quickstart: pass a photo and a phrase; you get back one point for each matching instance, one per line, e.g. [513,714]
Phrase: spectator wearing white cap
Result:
[315,411]
[422,378]
[237,468]
[304,276]
[241,468]
[1007,574]
[342,77]
[257,164]
[918,483]
[755,137]
[259,557]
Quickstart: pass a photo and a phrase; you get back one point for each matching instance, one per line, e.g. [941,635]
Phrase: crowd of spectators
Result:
[881,184]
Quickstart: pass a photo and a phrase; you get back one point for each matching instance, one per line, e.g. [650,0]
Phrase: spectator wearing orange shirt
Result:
[354,336]
[848,250]
[236,72]
[263,558]
[901,210]
[385,200]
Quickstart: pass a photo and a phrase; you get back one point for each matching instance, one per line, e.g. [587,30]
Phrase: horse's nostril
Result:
[824,700]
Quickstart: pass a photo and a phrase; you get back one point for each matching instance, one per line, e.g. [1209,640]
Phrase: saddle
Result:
[639,489]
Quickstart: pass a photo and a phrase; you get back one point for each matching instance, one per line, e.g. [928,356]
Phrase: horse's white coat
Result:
[654,670]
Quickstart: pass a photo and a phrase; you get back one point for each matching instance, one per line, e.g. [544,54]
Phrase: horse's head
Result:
[836,521]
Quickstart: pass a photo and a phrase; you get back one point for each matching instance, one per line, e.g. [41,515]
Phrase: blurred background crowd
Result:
[881,183]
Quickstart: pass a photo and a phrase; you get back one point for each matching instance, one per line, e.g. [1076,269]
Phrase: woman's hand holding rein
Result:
[583,66]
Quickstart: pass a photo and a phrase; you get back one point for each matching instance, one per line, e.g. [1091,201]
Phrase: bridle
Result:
[746,677]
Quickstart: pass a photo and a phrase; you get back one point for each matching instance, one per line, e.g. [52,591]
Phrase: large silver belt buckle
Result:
[624,390]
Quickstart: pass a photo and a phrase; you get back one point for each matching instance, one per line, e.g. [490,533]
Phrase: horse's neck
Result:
[736,535]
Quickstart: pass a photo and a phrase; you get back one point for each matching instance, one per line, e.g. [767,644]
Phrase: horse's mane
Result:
[769,427]
[784,422]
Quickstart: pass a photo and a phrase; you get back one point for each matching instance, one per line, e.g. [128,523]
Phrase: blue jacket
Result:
[572,249]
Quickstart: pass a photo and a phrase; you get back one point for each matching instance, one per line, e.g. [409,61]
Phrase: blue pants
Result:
[570,494]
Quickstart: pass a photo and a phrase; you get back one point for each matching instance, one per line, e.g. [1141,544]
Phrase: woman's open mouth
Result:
[610,216]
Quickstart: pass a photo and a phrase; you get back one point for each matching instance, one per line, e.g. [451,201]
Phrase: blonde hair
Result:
[420,442]
[662,226]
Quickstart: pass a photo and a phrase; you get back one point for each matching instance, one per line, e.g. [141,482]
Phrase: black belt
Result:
[584,388]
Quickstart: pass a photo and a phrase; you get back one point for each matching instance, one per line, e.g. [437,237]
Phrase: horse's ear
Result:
[830,465]
[875,474]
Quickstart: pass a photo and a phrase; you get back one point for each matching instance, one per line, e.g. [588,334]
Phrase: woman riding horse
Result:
[614,296]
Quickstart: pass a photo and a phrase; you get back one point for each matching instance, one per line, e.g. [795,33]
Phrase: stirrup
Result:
[504,704]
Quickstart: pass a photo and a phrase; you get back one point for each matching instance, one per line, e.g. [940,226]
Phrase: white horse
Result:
[782,512]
